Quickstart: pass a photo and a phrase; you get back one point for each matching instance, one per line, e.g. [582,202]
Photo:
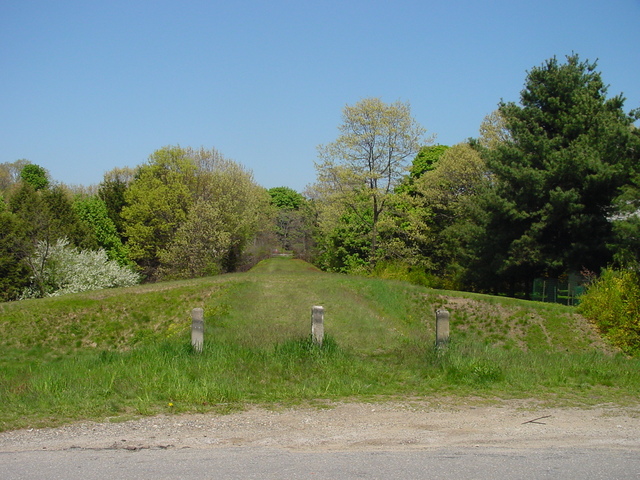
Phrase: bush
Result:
[69,270]
[613,303]
[415,274]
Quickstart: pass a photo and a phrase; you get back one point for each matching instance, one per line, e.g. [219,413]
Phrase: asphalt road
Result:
[246,463]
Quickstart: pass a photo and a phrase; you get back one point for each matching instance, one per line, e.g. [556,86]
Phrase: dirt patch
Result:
[354,426]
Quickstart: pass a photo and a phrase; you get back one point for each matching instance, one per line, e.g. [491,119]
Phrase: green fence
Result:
[566,291]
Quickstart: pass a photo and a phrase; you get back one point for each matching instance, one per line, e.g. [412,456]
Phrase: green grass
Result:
[121,353]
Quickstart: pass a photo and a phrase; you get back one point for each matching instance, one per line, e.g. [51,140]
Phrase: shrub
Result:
[67,269]
[613,303]
[397,270]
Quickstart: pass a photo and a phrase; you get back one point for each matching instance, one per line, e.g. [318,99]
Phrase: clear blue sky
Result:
[86,86]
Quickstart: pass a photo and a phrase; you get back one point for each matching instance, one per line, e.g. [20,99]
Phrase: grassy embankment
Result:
[125,352]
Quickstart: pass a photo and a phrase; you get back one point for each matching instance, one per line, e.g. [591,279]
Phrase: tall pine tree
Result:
[569,152]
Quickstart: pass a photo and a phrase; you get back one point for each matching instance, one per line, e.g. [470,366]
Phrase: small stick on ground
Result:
[535,420]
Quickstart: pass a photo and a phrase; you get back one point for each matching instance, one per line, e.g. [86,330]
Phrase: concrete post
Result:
[197,329]
[317,325]
[442,327]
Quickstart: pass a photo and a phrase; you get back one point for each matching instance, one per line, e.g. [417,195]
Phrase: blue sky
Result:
[86,86]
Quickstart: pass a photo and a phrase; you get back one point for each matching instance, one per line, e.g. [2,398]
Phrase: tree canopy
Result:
[34,175]
[359,171]
[569,151]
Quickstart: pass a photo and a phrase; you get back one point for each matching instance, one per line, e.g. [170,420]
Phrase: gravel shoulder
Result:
[407,425]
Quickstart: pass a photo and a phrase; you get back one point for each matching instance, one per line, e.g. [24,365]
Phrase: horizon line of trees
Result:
[185,213]
[550,187]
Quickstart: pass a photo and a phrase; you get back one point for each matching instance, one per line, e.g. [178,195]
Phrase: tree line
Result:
[549,187]
[185,213]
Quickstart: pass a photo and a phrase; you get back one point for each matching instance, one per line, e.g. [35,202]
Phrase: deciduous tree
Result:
[293,220]
[359,171]
[157,204]
[10,173]
[112,192]
[226,214]
[493,131]
[34,175]
[93,211]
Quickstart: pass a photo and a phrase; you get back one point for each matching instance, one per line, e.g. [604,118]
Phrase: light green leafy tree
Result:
[458,174]
[157,204]
[493,131]
[419,231]
[293,220]
[200,244]
[446,195]
[228,211]
[426,159]
[359,171]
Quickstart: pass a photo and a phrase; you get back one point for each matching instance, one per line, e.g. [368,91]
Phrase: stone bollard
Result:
[197,329]
[442,327]
[317,325]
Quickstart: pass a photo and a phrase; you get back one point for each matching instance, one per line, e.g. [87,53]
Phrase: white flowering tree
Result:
[70,270]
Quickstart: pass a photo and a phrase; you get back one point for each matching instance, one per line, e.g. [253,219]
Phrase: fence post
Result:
[197,329]
[442,327]
[317,325]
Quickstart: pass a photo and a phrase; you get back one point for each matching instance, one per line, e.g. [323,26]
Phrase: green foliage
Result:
[228,210]
[359,171]
[569,151]
[57,203]
[346,248]
[34,175]
[45,216]
[423,226]
[402,271]
[158,202]
[493,131]
[191,213]
[613,303]
[93,211]
[426,159]
[285,198]
[626,224]
[294,219]
[10,174]
[13,238]
[200,244]
[112,192]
